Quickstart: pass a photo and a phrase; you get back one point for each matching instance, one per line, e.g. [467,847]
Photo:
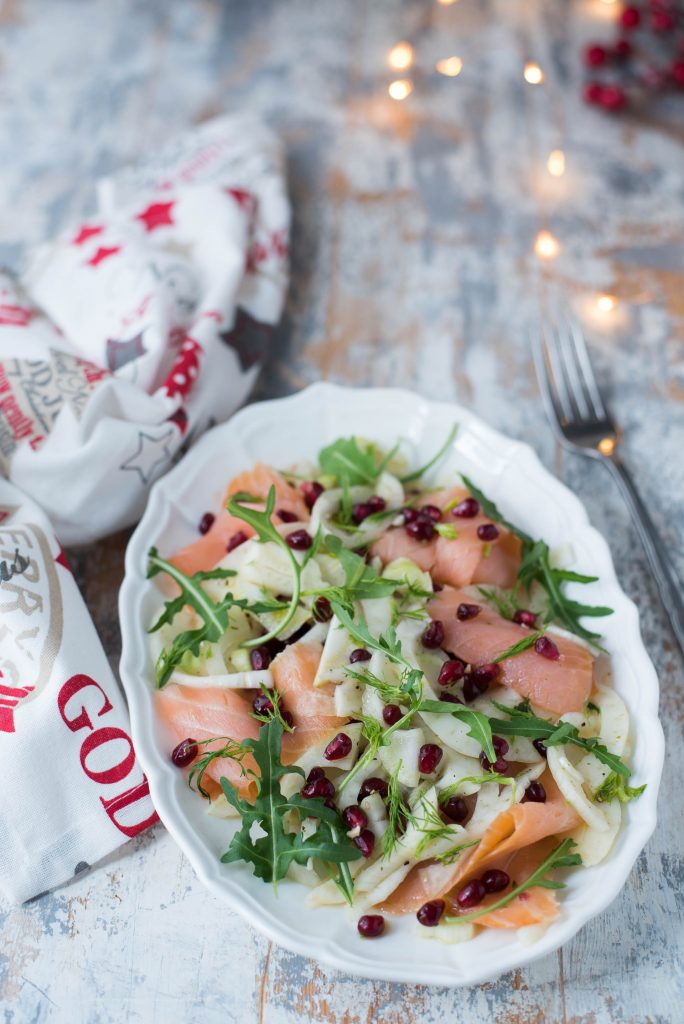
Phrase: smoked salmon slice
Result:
[535,906]
[312,708]
[557,686]
[206,551]
[461,561]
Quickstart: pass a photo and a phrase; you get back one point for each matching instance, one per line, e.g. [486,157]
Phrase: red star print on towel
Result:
[157,215]
[185,369]
[245,200]
[61,558]
[103,253]
[87,231]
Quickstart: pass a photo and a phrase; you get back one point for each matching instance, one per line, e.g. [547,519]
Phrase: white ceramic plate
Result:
[281,432]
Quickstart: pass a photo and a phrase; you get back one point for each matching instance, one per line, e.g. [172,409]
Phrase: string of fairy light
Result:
[401,59]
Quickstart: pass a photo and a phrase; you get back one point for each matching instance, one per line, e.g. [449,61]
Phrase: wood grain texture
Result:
[412,265]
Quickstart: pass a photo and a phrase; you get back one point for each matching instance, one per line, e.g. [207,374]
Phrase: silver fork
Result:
[579,417]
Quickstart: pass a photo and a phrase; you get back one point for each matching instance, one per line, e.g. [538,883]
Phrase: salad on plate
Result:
[388,688]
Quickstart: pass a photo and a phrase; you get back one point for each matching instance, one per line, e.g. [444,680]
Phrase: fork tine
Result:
[548,382]
[586,369]
[568,355]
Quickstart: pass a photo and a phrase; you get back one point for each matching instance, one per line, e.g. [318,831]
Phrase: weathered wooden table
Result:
[413,264]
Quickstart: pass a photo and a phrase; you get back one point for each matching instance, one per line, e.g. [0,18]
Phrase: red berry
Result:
[429,757]
[354,817]
[592,92]
[525,618]
[622,49]
[430,913]
[376,504]
[450,671]
[371,925]
[613,97]
[184,753]
[318,787]
[338,747]
[421,529]
[262,705]
[373,785]
[456,809]
[595,56]
[311,490]
[630,18]
[471,894]
[286,517]
[259,658]
[487,532]
[546,648]
[360,654]
[535,793]
[431,512]
[391,713]
[236,540]
[495,880]
[433,635]
[661,21]
[206,522]
[299,540]
[467,611]
[322,610]
[365,842]
[466,509]
[677,71]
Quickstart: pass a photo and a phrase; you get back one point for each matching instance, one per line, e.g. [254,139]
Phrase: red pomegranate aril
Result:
[540,747]
[376,504]
[546,648]
[500,766]
[433,635]
[312,491]
[450,671]
[495,880]
[365,842]
[471,894]
[260,658]
[299,540]
[185,753]
[236,540]
[410,514]
[360,654]
[467,611]
[431,512]
[535,793]
[456,809]
[595,56]
[421,529]
[391,713]
[630,18]
[450,698]
[285,516]
[525,618]
[206,522]
[354,817]
[466,509]
[370,926]
[488,532]
[322,610]
[430,913]
[592,92]
[262,705]
[373,785]
[361,512]
[500,746]
[613,97]
[429,757]
[319,787]
[477,681]
[338,747]
[287,718]
[315,773]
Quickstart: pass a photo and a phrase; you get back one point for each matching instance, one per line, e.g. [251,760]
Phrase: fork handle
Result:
[669,586]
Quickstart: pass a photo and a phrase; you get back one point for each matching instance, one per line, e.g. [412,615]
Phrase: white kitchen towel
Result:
[71,789]
[141,326]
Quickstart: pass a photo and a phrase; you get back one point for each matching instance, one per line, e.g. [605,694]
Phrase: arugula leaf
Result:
[417,473]
[519,647]
[266,531]
[479,725]
[535,567]
[613,787]
[561,857]
[361,581]
[345,460]
[525,723]
[271,853]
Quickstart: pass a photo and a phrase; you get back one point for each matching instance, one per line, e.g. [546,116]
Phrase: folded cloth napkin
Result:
[72,789]
[139,327]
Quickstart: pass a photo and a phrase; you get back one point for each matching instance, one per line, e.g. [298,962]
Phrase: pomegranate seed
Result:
[299,540]
[360,654]
[410,514]
[540,747]
[661,21]
[421,529]
[236,540]
[546,648]
[622,49]
[315,773]
[262,705]
[450,671]
[206,522]
[430,913]
[365,842]
[471,894]
[630,18]
[373,785]
[429,757]
[525,618]
[433,635]
[184,753]
[260,658]
[391,713]
[450,698]
[376,504]
[354,817]
[467,611]
[338,747]
[613,97]
[319,787]
[322,610]
[592,92]
[285,516]
[477,681]
[371,925]
[535,793]
[361,512]
[456,809]
[287,718]
[466,509]
[500,746]
[488,531]
[500,766]
[431,512]
[495,880]
[312,491]
[595,56]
